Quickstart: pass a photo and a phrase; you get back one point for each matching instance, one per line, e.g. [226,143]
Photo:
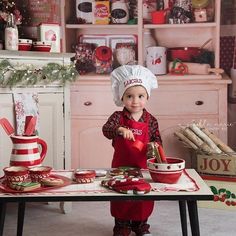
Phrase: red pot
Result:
[186,54]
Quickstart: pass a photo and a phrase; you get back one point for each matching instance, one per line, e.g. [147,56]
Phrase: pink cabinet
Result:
[176,102]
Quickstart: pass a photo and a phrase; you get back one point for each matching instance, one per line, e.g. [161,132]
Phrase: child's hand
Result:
[126,133]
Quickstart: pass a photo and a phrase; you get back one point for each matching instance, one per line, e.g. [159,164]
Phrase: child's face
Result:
[135,99]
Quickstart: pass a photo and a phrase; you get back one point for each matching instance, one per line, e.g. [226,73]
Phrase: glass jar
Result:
[125,53]
[204,10]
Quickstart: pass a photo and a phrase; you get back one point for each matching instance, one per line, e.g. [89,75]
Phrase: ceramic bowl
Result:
[24,44]
[84,176]
[38,173]
[169,172]
[42,46]
[16,173]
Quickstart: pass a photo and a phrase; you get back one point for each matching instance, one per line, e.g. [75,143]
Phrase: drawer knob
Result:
[88,103]
[199,103]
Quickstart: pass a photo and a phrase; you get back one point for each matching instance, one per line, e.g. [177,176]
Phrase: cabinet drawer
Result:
[184,102]
[92,103]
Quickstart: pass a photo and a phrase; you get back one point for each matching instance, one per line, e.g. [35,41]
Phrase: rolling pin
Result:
[194,68]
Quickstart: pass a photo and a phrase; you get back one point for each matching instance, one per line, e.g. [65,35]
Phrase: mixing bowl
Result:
[169,172]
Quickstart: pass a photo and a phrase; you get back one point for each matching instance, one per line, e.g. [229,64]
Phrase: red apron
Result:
[126,155]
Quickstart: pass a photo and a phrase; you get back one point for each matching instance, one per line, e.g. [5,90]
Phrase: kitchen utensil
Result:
[25,151]
[196,68]
[169,172]
[6,126]
[30,123]
[205,43]
[162,154]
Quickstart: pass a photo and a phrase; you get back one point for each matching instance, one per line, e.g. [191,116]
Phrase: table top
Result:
[95,192]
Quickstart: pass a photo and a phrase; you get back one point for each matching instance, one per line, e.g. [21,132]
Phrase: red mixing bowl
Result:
[185,54]
[169,172]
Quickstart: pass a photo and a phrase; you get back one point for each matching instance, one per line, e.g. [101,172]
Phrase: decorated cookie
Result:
[24,186]
[116,172]
[51,181]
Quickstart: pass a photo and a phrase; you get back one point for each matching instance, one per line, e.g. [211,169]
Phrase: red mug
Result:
[159,17]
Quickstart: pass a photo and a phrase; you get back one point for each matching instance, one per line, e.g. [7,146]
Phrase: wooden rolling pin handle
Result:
[217,71]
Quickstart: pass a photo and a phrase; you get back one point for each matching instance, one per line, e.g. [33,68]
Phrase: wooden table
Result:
[183,197]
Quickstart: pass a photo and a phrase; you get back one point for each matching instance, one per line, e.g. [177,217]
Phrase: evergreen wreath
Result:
[26,75]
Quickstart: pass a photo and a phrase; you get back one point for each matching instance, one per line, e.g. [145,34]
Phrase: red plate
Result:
[6,189]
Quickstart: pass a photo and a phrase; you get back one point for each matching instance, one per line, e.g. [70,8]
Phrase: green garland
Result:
[27,75]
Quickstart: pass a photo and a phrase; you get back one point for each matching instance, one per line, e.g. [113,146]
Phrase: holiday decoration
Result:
[8,7]
[25,75]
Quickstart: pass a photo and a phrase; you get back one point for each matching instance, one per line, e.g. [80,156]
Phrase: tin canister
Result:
[119,12]
[84,12]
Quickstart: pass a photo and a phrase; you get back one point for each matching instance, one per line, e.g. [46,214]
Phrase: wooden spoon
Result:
[7,126]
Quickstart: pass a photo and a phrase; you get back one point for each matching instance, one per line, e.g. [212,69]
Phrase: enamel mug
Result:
[156,60]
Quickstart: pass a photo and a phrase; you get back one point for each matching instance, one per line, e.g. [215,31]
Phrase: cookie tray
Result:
[6,189]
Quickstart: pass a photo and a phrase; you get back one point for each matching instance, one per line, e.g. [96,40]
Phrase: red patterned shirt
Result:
[110,128]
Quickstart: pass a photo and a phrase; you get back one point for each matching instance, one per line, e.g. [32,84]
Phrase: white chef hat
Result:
[127,76]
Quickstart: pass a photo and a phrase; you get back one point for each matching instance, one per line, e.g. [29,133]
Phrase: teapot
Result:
[25,151]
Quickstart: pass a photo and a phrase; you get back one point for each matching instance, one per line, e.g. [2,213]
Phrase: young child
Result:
[131,86]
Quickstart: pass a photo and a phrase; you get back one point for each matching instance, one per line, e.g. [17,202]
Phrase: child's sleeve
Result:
[109,129]
[154,132]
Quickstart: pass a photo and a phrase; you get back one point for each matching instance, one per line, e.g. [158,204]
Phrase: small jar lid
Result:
[103,53]
[199,3]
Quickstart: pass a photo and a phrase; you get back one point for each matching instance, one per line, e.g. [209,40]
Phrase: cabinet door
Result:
[90,148]
[7,111]
[51,128]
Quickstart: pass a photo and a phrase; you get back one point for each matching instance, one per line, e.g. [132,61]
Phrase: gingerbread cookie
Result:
[116,172]
[51,181]
[24,186]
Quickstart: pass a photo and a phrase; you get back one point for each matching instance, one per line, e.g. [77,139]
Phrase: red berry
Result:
[216,198]
[228,202]
[233,203]
[222,199]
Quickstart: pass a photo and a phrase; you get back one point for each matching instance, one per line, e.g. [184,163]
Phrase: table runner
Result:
[185,183]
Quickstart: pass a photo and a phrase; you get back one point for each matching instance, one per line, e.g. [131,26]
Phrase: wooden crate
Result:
[224,190]
[216,164]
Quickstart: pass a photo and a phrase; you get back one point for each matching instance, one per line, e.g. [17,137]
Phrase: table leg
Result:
[183,217]
[20,219]
[193,217]
[2,216]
